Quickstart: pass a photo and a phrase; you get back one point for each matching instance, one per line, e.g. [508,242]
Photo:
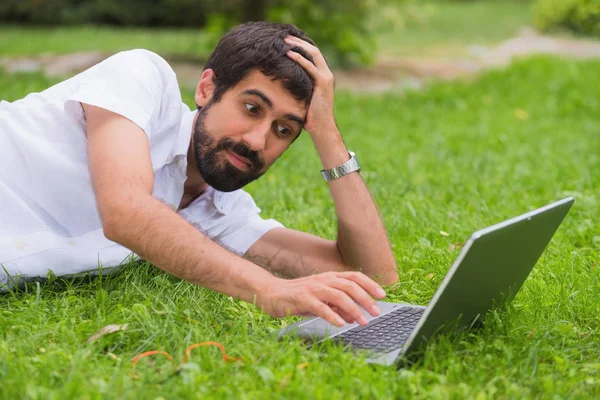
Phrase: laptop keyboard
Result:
[385,333]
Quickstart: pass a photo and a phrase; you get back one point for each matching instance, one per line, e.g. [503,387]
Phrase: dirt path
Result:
[390,74]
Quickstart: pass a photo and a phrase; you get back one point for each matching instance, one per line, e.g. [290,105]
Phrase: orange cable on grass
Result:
[219,345]
[183,359]
[146,354]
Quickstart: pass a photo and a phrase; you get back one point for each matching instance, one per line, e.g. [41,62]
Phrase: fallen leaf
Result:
[112,355]
[444,233]
[521,114]
[303,365]
[285,380]
[454,246]
[429,276]
[107,330]
[584,334]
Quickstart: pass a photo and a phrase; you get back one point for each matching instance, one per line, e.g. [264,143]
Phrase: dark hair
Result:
[260,45]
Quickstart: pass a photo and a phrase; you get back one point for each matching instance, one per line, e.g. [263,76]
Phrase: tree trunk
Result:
[254,10]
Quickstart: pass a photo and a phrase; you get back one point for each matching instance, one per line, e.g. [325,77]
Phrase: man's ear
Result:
[205,88]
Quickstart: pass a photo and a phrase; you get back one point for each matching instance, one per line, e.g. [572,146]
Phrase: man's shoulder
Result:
[148,77]
[143,59]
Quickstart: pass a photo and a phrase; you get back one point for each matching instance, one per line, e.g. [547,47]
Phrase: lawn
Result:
[432,28]
[448,28]
[23,41]
[455,157]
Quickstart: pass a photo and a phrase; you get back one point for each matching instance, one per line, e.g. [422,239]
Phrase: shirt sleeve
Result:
[241,239]
[230,219]
[128,83]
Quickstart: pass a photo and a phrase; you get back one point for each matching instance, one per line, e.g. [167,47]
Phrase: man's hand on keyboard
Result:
[332,296]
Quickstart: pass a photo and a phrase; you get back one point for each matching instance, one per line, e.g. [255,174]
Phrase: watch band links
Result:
[349,166]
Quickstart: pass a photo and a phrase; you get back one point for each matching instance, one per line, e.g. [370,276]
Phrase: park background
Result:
[463,114]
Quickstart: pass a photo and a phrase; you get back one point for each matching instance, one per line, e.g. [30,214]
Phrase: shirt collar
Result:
[185,132]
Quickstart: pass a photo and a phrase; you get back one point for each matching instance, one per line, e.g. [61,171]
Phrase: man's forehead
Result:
[274,90]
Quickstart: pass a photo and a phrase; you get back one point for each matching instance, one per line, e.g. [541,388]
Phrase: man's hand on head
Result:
[320,119]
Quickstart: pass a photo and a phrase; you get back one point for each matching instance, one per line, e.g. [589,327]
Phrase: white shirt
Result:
[48,212]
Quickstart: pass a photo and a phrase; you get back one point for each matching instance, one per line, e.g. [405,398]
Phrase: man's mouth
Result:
[239,161]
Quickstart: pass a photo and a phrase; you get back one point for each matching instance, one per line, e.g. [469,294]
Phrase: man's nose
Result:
[256,138]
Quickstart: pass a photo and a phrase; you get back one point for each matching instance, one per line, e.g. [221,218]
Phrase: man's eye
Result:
[283,130]
[251,108]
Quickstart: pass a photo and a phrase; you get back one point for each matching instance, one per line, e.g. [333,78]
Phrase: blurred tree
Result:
[580,16]
[254,10]
[30,11]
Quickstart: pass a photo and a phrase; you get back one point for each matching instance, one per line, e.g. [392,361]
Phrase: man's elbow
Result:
[112,230]
[122,214]
[388,278]
[385,277]
[115,220]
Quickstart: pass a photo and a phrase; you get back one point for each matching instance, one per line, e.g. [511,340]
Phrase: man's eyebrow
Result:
[262,96]
[293,117]
[269,103]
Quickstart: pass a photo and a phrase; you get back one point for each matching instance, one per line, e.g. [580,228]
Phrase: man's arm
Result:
[122,177]
[362,243]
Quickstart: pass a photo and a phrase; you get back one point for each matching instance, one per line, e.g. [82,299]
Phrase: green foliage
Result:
[114,12]
[39,11]
[453,157]
[345,30]
[580,16]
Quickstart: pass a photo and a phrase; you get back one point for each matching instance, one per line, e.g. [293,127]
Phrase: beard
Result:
[211,158]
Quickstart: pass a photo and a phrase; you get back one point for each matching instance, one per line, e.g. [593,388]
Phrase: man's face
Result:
[238,138]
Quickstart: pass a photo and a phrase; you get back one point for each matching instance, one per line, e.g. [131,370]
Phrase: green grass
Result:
[447,28]
[23,41]
[455,157]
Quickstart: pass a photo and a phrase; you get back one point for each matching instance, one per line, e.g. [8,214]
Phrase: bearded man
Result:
[111,162]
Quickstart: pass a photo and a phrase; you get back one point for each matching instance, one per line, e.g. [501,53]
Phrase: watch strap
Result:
[346,168]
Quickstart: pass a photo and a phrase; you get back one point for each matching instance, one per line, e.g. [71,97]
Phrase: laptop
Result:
[488,272]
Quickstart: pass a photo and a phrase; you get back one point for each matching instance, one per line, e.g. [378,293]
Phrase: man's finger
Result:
[357,293]
[309,67]
[310,49]
[347,317]
[303,43]
[364,281]
[320,309]
[338,298]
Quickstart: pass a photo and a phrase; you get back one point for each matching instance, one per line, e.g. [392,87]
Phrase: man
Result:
[111,162]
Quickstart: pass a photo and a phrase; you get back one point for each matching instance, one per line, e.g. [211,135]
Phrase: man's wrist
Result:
[262,291]
[352,165]
[331,149]
[325,130]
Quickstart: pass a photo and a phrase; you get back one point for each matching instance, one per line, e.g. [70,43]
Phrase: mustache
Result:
[241,150]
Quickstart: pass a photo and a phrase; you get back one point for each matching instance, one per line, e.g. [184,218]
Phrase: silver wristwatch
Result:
[349,166]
